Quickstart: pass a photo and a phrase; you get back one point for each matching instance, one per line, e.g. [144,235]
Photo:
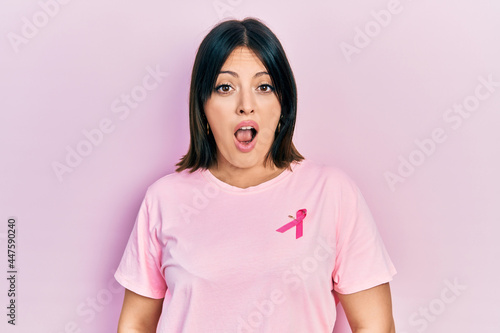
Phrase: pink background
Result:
[362,111]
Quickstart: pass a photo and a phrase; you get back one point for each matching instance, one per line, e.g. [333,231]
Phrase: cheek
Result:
[267,132]
[274,108]
[272,113]
[216,113]
[217,107]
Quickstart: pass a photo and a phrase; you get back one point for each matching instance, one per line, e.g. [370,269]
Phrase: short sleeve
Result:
[362,261]
[140,267]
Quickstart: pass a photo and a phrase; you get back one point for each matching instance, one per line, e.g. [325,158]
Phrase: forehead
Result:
[242,58]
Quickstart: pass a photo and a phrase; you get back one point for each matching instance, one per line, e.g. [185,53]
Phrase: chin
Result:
[241,160]
[245,162]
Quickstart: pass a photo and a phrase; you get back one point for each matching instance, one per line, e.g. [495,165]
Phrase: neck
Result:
[245,177]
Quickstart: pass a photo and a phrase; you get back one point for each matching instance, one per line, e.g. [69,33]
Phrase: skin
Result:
[139,314]
[370,310]
[244,92]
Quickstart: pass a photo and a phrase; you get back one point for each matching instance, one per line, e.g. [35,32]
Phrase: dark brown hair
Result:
[211,56]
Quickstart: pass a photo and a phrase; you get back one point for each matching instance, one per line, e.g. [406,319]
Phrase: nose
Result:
[246,102]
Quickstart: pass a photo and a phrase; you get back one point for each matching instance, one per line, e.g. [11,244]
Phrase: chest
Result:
[223,239]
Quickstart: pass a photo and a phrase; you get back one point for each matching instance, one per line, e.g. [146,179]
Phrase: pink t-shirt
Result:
[260,259]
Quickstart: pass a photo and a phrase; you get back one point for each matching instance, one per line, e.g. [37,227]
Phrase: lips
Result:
[247,123]
[245,135]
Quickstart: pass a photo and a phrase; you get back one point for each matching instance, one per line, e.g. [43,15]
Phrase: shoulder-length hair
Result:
[211,56]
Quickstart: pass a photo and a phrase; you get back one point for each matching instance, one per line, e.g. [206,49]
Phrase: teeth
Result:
[246,127]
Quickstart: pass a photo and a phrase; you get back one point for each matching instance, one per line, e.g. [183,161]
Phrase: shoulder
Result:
[330,174]
[173,184]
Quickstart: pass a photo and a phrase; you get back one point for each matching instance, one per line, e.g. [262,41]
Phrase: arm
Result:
[369,311]
[139,314]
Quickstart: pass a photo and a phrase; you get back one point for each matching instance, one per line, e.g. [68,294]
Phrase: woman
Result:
[247,235]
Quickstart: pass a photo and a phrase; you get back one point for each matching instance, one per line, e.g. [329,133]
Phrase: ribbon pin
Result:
[297,222]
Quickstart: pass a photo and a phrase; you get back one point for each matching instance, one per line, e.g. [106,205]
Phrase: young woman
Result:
[247,235]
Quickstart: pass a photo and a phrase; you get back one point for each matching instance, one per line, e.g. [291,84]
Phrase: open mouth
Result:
[245,134]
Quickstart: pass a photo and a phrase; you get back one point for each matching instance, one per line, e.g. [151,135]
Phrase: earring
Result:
[279,123]
[208,129]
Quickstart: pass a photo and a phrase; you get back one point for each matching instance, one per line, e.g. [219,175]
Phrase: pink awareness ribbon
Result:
[297,222]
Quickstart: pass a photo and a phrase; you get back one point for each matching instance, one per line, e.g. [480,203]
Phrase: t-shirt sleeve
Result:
[362,261]
[140,267]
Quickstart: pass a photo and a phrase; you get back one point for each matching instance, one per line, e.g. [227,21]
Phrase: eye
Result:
[223,88]
[266,88]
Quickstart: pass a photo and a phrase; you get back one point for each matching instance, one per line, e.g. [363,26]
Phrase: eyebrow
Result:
[236,74]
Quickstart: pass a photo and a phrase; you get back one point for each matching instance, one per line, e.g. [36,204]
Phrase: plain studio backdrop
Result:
[402,95]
